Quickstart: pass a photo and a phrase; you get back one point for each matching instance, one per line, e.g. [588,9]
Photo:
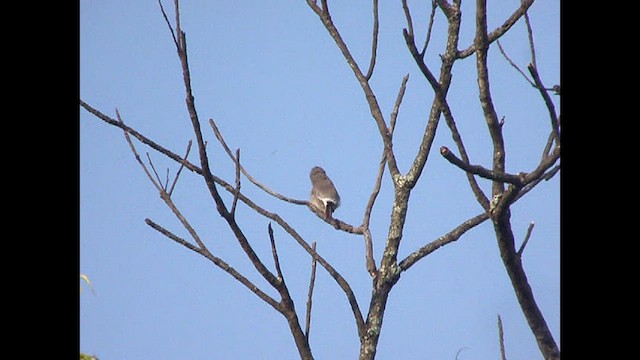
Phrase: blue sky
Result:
[279,89]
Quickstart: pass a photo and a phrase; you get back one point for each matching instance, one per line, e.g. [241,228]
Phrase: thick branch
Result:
[495,129]
[480,170]
[520,283]
[440,105]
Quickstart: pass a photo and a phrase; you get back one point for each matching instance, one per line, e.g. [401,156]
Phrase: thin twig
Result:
[503,355]
[166,19]
[163,194]
[396,106]
[312,282]
[460,350]
[431,18]
[555,125]
[530,34]
[374,41]
[154,171]
[514,64]
[547,147]
[137,156]
[182,163]
[407,15]
[526,239]
[274,253]
[237,192]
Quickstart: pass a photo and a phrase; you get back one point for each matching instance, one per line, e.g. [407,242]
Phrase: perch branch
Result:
[342,283]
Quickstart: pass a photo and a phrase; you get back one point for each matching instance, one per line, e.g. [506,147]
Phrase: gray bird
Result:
[324,195]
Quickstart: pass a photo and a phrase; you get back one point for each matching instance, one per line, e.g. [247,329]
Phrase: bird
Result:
[324,195]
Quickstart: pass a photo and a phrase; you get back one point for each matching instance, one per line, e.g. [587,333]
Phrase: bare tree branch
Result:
[555,125]
[374,41]
[374,107]
[514,64]
[407,15]
[495,130]
[342,283]
[218,262]
[154,171]
[166,19]
[547,147]
[481,171]
[440,106]
[449,237]
[503,355]
[429,28]
[526,239]
[498,32]
[530,34]
[175,180]
[312,282]
[163,194]
[274,252]
[237,191]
